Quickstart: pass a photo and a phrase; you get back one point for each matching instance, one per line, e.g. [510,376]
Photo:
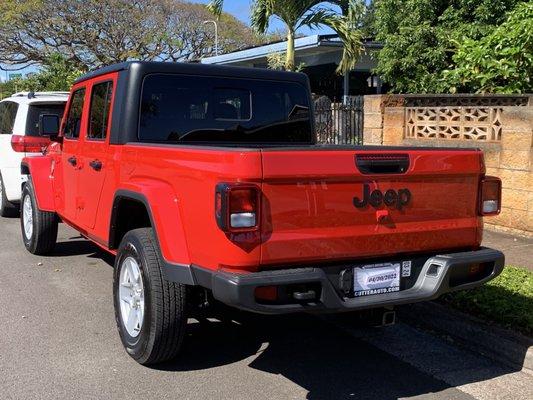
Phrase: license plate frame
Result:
[379,278]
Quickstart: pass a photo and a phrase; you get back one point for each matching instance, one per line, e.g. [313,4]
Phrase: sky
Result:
[239,8]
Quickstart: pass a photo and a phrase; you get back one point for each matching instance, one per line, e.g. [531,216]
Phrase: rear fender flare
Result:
[163,211]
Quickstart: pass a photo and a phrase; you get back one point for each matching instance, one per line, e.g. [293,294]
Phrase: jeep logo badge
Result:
[376,198]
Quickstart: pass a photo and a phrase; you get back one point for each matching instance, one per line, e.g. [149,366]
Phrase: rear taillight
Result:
[29,144]
[490,197]
[237,207]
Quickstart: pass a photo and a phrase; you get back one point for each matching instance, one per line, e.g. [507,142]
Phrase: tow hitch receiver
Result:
[375,318]
[302,296]
[388,318]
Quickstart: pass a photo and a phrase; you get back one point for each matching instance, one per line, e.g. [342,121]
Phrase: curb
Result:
[502,345]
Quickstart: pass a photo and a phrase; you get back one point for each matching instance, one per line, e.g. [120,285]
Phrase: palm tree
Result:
[298,13]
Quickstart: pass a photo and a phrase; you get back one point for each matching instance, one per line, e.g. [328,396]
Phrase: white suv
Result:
[19,129]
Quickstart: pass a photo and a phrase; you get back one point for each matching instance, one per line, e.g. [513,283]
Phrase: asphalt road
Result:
[58,340]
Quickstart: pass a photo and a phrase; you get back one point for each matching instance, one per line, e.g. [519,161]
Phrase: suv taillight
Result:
[237,207]
[29,144]
[490,197]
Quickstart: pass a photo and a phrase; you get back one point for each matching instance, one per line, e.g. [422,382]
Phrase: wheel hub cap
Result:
[131,296]
[27,217]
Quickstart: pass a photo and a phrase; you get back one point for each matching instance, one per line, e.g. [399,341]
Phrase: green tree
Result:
[56,74]
[501,62]
[296,14]
[92,33]
[420,37]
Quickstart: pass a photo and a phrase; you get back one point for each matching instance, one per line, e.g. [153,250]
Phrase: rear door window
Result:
[73,122]
[36,110]
[8,113]
[177,108]
[100,107]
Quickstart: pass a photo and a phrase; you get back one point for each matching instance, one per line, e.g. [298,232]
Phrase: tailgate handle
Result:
[370,164]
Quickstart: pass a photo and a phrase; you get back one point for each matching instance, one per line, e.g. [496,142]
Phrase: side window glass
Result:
[3,119]
[8,113]
[99,114]
[73,122]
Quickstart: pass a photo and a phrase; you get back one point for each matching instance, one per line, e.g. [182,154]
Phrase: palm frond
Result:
[346,26]
[262,10]
[215,6]
[314,18]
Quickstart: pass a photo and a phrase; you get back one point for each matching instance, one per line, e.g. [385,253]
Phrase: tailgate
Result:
[327,205]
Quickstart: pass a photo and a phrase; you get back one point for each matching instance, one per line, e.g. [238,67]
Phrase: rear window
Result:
[34,113]
[177,108]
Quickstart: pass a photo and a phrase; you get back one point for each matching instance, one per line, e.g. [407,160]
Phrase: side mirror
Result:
[49,126]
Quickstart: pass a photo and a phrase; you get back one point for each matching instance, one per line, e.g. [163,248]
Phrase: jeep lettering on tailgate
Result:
[376,198]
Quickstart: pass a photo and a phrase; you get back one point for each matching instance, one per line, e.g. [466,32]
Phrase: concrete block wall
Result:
[510,158]
[513,164]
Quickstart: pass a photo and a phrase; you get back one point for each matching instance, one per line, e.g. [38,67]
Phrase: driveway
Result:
[518,250]
[58,340]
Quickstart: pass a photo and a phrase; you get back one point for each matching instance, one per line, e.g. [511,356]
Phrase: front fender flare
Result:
[39,169]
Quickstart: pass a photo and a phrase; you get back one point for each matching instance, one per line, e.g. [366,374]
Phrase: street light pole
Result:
[216,33]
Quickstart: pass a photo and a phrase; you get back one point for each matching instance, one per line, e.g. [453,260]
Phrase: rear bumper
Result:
[437,276]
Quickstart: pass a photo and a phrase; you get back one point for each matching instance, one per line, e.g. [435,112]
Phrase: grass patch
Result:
[506,300]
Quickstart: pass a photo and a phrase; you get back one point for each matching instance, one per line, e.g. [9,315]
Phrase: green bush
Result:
[487,41]
[501,62]
[506,300]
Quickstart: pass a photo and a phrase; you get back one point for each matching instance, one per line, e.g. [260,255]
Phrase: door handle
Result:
[96,165]
[72,161]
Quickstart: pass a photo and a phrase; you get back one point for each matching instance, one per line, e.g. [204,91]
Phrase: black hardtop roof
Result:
[151,67]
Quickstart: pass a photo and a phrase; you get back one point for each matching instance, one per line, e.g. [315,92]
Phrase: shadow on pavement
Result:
[79,246]
[315,355]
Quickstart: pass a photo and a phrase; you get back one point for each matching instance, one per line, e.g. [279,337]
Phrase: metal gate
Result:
[339,123]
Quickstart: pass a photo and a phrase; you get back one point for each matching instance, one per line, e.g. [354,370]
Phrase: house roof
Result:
[321,43]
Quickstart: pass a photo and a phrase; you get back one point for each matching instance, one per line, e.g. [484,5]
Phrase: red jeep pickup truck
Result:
[206,183]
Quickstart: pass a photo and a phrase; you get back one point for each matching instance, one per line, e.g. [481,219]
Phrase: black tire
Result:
[44,233]
[165,313]
[7,209]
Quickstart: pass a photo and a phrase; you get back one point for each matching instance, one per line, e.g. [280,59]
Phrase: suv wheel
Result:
[7,209]
[150,312]
[39,228]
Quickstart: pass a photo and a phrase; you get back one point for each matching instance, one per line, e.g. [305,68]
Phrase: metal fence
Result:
[339,123]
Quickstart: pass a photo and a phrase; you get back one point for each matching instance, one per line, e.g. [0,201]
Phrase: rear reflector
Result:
[266,293]
[29,144]
[490,196]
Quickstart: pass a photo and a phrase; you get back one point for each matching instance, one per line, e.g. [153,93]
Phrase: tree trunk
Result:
[289,63]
